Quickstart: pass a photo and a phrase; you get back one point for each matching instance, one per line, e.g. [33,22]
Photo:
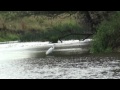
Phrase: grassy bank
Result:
[8,37]
[29,26]
[36,28]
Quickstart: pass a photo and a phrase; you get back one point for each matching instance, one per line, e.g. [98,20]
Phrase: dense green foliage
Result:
[36,26]
[57,25]
[8,37]
[107,37]
[54,33]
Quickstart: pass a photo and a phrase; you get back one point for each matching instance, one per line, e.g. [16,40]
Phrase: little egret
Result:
[50,50]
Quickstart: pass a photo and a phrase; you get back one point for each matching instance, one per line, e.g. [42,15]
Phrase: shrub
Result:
[108,35]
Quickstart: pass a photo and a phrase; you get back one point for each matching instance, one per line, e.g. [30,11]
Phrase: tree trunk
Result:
[89,20]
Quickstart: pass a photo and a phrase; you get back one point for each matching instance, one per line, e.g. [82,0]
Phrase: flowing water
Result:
[19,61]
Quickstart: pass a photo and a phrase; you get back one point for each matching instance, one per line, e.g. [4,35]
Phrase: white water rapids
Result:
[23,61]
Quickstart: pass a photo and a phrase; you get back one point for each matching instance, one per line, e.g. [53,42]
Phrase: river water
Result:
[18,62]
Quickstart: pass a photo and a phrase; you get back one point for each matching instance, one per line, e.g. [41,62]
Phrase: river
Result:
[18,62]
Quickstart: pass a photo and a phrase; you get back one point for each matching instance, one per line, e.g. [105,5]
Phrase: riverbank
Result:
[37,28]
[117,50]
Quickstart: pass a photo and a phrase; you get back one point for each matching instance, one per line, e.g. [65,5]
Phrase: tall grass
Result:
[38,28]
[53,33]
[32,22]
[8,37]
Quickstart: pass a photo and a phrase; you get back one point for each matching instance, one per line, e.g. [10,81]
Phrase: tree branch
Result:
[88,35]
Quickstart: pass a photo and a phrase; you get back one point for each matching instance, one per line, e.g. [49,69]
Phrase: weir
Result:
[38,49]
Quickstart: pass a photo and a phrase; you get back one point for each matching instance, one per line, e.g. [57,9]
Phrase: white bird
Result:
[50,50]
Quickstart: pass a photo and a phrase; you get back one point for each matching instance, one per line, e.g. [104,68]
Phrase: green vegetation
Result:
[35,27]
[8,37]
[107,37]
[52,26]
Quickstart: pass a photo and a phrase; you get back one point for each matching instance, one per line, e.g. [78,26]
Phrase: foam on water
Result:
[34,44]
[18,63]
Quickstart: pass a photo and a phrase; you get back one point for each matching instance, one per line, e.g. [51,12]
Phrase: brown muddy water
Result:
[21,63]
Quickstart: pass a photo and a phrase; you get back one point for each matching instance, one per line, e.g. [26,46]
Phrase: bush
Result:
[8,37]
[108,35]
[30,36]
[57,31]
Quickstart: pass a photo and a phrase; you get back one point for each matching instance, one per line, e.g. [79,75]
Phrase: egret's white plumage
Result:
[50,50]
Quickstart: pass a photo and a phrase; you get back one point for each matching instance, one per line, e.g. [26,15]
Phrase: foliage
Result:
[52,34]
[54,25]
[8,37]
[108,35]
